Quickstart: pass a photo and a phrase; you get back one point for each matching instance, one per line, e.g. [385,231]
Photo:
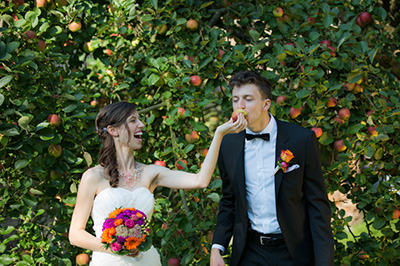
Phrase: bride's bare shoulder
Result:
[94,175]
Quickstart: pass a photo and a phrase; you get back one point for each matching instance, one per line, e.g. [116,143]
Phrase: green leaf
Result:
[23,122]
[354,129]
[205,61]
[35,191]
[5,80]
[21,164]
[6,259]
[206,4]
[340,235]
[1,99]
[29,200]
[70,108]
[154,3]
[214,197]
[382,13]
[303,93]
[32,17]
[188,148]
[328,20]
[255,35]
[11,46]
[7,231]
[10,132]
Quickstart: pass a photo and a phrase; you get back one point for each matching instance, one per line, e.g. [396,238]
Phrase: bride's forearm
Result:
[208,167]
[85,240]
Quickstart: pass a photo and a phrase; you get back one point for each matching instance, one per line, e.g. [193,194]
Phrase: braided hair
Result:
[115,115]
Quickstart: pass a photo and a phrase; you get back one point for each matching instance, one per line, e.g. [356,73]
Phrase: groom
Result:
[275,217]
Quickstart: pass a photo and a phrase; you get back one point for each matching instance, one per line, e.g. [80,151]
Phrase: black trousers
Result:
[256,254]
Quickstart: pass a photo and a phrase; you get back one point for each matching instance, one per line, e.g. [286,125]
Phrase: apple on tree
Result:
[237,112]
[55,150]
[192,137]
[192,24]
[295,112]
[75,26]
[82,259]
[331,102]
[281,99]
[344,113]
[173,262]
[278,12]
[54,120]
[161,163]
[317,131]
[179,164]
[339,145]
[195,80]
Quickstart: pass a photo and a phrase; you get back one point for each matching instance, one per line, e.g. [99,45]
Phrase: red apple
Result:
[195,80]
[295,112]
[93,103]
[339,145]
[204,152]
[192,24]
[237,112]
[161,163]
[18,2]
[281,99]
[82,259]
[88,47]
[192,137]
[173,262]
[372,131]
[278,12]
[344,113]
[75,26]
[331,102]
[108,52]
[14,16]
[180,166]
[162,29]
[220,54]
[55,150]
[365,18]
[54,120]
[338,120]
[327,42]
[317,131]
[311,20]
[30,34]
[359,22]
[333,51]
[164,226]
[41,45]
[357,88]
[396,214]
[41,3]
[181,111]
[348,86]
[370,112]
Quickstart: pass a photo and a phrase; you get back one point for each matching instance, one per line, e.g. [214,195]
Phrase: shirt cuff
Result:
[218,246]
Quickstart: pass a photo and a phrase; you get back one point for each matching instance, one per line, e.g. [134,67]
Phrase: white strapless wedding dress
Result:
[108,200]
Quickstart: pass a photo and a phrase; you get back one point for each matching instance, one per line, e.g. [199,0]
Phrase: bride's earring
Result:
[117,138]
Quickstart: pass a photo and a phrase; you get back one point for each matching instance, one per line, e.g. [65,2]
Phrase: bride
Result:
[119,181]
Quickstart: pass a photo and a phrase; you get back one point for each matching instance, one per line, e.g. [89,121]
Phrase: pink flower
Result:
[134,217]
[116,246]
[129,223]
[284,165]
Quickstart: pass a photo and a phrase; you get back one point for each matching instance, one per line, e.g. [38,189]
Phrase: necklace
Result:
[129,179]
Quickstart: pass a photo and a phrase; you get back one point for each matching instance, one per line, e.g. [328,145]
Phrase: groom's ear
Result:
[267,104]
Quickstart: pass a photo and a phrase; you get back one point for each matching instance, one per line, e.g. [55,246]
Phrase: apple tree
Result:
[336,70]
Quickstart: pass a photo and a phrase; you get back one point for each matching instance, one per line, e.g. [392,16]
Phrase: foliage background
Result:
[133,58]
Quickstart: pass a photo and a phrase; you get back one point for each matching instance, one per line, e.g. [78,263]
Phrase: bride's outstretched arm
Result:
[181,179]
[78,236]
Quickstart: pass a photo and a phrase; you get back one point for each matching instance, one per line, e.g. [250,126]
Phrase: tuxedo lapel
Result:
[281,144]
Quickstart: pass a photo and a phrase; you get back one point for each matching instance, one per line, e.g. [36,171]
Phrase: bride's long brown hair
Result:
[115,115]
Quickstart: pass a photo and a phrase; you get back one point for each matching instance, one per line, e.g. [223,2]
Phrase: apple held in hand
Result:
[237,112]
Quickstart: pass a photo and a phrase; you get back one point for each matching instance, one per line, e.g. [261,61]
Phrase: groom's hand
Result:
[216,258]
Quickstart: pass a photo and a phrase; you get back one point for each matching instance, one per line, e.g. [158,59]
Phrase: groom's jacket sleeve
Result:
[226,215]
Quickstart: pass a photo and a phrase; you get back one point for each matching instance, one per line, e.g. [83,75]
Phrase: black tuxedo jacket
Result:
[303,208]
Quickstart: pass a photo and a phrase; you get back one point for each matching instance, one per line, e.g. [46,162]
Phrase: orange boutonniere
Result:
[283,160]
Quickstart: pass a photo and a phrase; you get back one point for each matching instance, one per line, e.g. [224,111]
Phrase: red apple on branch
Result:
[339,145]
[220,54]
[344,113]
[174,262]
[237,112]
[75,26]
[278,12]
[372,131]
[192,24]
[192,137]
[41,45]
[181,112]
[195,80]
[30,34]
[338,120]
[82,259]
[161,163]
[295,112]
[331,102]
[317,131]
[348,86]
[327,42]
[55,150]
[281,99]
[179,162]
[54,120]
[396,214]
[41,3]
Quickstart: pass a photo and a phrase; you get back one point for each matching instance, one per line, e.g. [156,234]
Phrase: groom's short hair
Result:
[252,77]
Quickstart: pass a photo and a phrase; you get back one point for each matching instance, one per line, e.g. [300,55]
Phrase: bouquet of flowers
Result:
[126,229]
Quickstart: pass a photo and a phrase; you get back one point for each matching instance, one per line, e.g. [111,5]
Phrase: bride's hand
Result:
[233,127]
[134,253]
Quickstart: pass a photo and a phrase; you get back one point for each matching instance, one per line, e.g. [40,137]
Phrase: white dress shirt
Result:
[259,164]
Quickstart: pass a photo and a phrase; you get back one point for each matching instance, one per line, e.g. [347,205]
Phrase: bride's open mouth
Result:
[138,136]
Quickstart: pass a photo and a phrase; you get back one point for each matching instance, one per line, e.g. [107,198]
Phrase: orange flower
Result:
[286,156]
[107,235]
[114,213]
[139,215]
[118,222]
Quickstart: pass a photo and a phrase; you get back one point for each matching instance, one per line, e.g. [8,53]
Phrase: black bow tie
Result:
[261,136]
